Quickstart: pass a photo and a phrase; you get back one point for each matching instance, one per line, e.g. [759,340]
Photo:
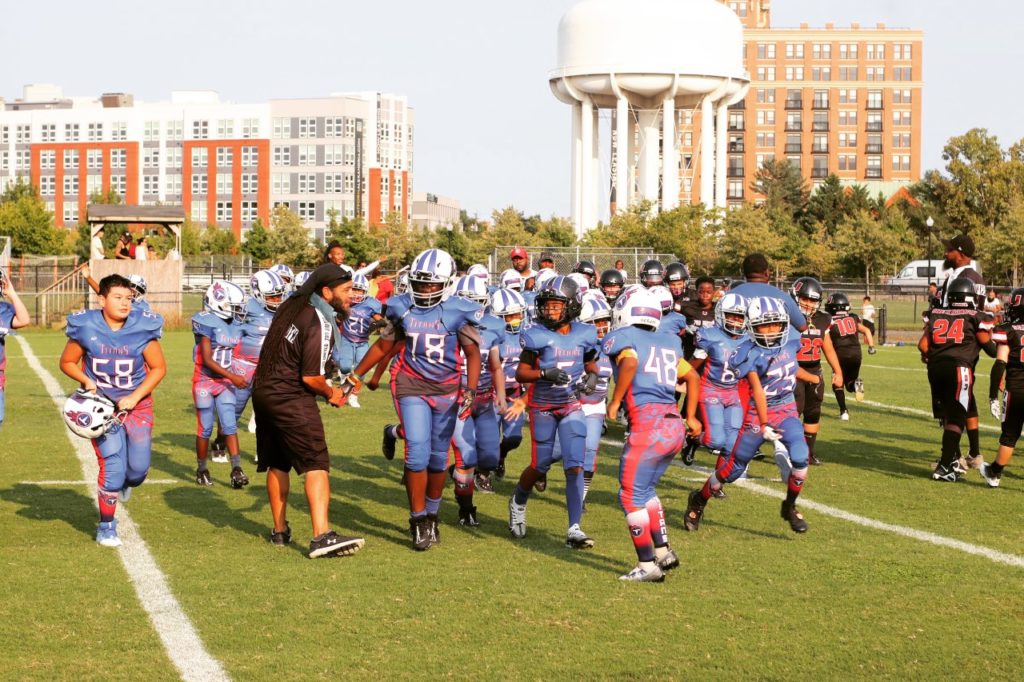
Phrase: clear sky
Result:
[488,130]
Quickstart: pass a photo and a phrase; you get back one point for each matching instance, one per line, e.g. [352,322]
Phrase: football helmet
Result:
[611,284]
[731,304]
[586,268]
[508,302]
[1015,306]
[472,287]
[637,307]
[478,270]
[360,287]
[763,310]
[89,415]
[562,289]
[511,279]
[265,285]
[807,292]
[542,276]
[596,311]
[652,273]
[285,273]
[838,302]
[300,278]
[433,269]
[402,283]
[226,300]
[960,293]
[138,285]
[677,272]
[582,281]
[664,296]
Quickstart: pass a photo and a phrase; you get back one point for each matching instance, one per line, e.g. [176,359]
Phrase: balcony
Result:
[874,126]
[820,126]
[735,172]
[819,172]
[794,126]
[873,173]
[736,147]
[819,104]
[819,149]
[793,148]
[874,106]
[794,104]
[873,149]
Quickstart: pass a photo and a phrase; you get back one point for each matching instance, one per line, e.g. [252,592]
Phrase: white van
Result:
[914,276]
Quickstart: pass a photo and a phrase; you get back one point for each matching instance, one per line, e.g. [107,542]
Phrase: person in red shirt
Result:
[385,288]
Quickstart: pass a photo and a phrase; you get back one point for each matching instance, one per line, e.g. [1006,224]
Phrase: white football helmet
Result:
[508,302]
[265,285]
[664,295]
[138,284]
[582,281]
[285,273]
[432,267]
[301,277]
[226,300]
[597,312]
[402,283]
[731,304]
[542,276]
[360,287]
[89,415]
[763,310]
[472,287]
[637,308]
[479,270]
[511,279]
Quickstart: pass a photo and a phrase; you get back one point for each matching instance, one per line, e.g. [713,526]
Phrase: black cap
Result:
[961,243]
[546,256]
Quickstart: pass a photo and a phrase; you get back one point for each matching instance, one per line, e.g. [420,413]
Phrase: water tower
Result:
[648,59]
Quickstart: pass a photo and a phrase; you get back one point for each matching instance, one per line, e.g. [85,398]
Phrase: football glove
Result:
[555,375]
[466,405]
[996,408]
[871,350]
[589,383]
[349,383]
[770,434]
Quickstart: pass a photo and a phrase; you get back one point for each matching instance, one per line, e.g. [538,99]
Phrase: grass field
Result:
[752,599]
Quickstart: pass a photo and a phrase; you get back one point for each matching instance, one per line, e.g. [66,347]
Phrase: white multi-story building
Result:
[227,164]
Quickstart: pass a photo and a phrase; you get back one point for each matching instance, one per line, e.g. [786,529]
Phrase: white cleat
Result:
[516,519]
[577,539]
[844,416]
[990,478]
[353,401]
[639,574]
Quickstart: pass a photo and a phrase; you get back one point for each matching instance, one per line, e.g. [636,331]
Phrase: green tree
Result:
[24,218]
[289,240]
[110,197]
[745,231]
[352,234]
[257,243]
[783,187]
[874,245]
[556,231]
[831,203]
[218,241]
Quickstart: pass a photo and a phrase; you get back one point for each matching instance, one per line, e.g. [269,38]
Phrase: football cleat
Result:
[990,478]
[467,517]
[484,483]
[668,561]
[238,478]
[689,452]
[106,534]
[782,461]
[252,423]
[844,416]
[858,390]
[353,401]
[516,518]
[281,538]
[795,518]
[203,477]
[332,544]
[946,474]
[541,484]
[719,494]
[813,460]
[577,539]
[694,511]
[434,530]
[387,445]
[419,531]
[499,472]
[975,462]
[639,574]
[218,453]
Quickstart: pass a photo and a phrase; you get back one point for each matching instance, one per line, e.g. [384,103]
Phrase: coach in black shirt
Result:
[289,431]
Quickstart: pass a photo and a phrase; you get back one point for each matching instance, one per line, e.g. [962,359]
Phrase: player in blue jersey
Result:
[558,353]
[363,319]
[595,311]
[648,367]
[771,413]
[116,351]
[672,322]
[13,315]
[510,307]
[267,292]
[476,440]
[218,330]
[431,327]
[757,274]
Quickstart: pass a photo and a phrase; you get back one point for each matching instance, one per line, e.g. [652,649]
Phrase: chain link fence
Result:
[566,257]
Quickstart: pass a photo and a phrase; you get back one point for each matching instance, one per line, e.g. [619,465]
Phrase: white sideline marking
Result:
[907,410]
[149,481]
[896,369]
[978,550]
[179,636]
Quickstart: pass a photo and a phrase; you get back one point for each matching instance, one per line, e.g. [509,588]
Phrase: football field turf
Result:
[934,588]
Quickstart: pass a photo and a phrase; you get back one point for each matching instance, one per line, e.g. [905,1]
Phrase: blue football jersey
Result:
[254,330]
[531,307]
[360,316]
[6,320]
[142,305]
[672,323]
[776,367]
[224,337]
[659,362]
[565,351]
[431,352]
[729,357]
[604,373]
[510,348]
[492,335]
[114,359]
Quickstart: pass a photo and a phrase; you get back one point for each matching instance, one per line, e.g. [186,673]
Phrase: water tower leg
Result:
[595,168]
[721,154]
[669,157]
[577,167]
[707,152]
[623,158]
[648,163]
[588,202]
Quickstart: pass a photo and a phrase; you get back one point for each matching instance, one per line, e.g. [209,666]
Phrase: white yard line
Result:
[149,481]
[931,538]
[907,410]
[179,636]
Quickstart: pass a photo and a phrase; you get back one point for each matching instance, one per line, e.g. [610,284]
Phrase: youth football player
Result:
[1008,367]
[363,319]
[595,311]
[267,291]
[13,315]
[510,307]
[845,330]
[116,351]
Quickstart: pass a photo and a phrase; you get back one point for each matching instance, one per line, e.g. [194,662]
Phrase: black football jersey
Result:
[696,317]
[843,331]
[813,339]
[953,335]
[1012,335]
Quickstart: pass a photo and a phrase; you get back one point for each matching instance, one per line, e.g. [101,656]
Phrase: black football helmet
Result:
[586,268]
[1015,306]
[837,303]
[808,288]
[559,288]
[612,280]
[960,294]
[652,273]
[676,272]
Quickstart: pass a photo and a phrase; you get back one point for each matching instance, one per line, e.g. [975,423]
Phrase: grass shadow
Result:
[53,504]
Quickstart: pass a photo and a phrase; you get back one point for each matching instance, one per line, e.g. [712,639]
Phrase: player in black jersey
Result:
[815,341]
[844,332]
[1009,367]
[699,312]
[950,346]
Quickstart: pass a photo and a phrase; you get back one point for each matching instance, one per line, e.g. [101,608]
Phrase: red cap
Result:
[518,252]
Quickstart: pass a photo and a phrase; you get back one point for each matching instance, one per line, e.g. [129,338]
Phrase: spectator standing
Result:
[994,307]
[867,314]
[96,250]
[142,249]
[124,248]
[621,267]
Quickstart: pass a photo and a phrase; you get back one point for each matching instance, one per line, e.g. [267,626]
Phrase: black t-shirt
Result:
[1012,335]
[952,336]
[307,346]
[813,339]
[696,317]
[844,334]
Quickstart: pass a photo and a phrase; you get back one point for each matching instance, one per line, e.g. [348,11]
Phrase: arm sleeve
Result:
[316,346]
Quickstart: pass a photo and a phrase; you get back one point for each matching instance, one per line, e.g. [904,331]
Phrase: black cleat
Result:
[238,478]
[689,453]
[332,544]
[814,461]
[499,473]
[467,517]
[435,530]
[387,445]
[541,483]
[719,494]
[694,511]
[203,477]
[669,561]
[484,483]
[795,518]
[420,530]
[281,538]
[950,474]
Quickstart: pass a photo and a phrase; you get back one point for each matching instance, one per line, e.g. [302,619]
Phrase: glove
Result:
[871,350]
[589,384]
[996,408]
[378,324]
[350,384]
[770,434]
[555,376]
[466,405]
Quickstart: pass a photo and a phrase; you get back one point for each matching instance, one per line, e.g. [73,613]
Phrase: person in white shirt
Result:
[867,314]
[621,267]
[141,249]
[96,248]
[994,307]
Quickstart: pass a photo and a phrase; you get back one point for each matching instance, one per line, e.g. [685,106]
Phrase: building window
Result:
[281,183]
[250,211]
[901,118]
[4,158]
[198,211]
[874,122]
[766,73]
[876,51]
[224,184]
[874,99]
[93,185]
[821,73]
[225,157]
[350,127]
[901,96]
[901,162]
[172,184]
[765,117]
[70,159]
[70,132]
[876,73]
[94,159]
[250,157]
[847,139]
[874,144]
[151,157]
[333,154]
[794,73]
[902,73]
[334,126]
[47,185]
[48,132]
[250,128]
[901,140]
[223,211]
[847,73]
[174,157]
[119,185]
[847,96]
[307,183]
[5,134]
[250,183]
[282,156]
[333,183]
[307,155]
[350,154]
[901,51]
[47,159]
[765,95]
[95,132]
[175,130]
[225,128]
[151,131]
[200,157]
[766,140]
[766,50]
[848,118]
[199,185]
[200,130]
[22,159]
[118,158]
[307,210]
[821,51]
[848,162]
[847,50]
[735,120]
[307,127]
[794,50]
[350,183]
[119,130]
[281,128]
[150,185]
[70,212]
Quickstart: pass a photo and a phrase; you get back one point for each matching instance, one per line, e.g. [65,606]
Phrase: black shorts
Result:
[870,325]
[850,367]
[951,391]
[289,434]
[809,396]
[1013,419]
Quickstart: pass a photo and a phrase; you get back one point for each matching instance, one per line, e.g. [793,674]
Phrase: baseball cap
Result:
[546,256]
[517,252]
[961,243]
